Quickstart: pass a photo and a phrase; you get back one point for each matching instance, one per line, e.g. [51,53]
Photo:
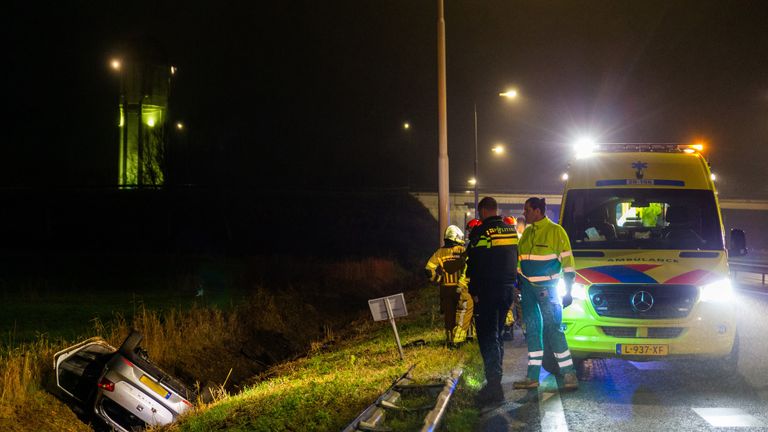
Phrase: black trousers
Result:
[490,314]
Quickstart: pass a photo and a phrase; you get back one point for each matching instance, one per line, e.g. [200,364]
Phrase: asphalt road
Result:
[619,395]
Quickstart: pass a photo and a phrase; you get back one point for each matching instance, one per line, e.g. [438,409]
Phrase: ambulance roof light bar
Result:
[637,147]
[647,147]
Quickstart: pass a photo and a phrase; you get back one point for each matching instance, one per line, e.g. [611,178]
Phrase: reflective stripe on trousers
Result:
[542,320]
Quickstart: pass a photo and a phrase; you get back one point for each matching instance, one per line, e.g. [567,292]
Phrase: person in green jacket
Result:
[545,256]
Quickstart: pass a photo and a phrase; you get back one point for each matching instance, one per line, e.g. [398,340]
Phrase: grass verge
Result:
[330,387]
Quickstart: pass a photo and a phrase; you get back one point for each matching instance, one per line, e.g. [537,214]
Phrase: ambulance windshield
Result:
[634,218]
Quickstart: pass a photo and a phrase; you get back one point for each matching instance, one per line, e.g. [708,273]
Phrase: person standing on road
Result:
[545,253]
[446,267]
[491,268]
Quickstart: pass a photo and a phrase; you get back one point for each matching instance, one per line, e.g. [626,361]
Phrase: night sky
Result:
[314,94]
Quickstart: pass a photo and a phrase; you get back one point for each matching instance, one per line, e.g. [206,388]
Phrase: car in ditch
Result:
[120,386]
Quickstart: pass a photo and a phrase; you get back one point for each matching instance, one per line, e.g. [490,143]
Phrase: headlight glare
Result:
[720,291]
[578,291]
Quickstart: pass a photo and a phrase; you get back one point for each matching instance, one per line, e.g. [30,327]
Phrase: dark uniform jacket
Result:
[492,258]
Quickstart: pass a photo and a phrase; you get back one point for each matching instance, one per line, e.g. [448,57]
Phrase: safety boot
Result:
[527,384]
[570,381]
[490,394]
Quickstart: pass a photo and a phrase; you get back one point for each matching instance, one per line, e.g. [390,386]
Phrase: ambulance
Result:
[652,277]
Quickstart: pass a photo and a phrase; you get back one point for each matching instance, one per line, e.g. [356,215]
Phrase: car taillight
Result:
[126,361]
[106,385]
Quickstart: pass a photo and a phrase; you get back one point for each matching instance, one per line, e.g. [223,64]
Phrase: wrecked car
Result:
[120,386]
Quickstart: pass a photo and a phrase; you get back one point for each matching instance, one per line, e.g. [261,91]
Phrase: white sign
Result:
[379,307]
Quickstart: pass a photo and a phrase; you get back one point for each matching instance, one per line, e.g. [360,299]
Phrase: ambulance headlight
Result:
[720,291]
[578,291]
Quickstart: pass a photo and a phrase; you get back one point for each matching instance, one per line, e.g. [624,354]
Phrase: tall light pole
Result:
[444,216]
[509,94]
[475,177]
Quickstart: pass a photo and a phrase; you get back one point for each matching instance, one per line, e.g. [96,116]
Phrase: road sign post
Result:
[389,308]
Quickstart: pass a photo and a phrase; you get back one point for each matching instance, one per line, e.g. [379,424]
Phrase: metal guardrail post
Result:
[433,419]
[372,409]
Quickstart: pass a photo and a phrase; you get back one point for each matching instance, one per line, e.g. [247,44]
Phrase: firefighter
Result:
[545,257]
[472,224]
[446,267]
[491,268]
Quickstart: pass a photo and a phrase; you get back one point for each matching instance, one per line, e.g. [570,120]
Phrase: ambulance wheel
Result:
[730,363]
[580,364]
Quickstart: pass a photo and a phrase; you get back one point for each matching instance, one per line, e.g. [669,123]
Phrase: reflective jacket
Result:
[446,265]
[545,251]
[491,256]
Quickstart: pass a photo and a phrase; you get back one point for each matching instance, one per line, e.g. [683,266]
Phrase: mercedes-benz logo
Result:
[642,301]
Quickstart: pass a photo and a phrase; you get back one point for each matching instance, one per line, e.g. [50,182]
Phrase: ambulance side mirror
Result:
[738,243]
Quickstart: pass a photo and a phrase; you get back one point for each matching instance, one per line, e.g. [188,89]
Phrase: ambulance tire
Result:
[723,367]
[730,364]
[580,365]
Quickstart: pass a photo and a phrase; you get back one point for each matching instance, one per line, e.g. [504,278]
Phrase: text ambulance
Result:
[652,271]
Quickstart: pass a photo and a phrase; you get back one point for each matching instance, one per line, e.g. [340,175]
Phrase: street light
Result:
[406,125]
[498,149]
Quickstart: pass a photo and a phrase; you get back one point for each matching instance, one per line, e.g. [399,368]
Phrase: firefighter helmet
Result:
[454,234]
[473,223]
[509,220]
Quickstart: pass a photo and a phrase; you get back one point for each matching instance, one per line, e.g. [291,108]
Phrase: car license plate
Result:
[157,388]
[642,349]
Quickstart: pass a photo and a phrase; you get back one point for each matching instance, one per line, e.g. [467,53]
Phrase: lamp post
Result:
[498,149]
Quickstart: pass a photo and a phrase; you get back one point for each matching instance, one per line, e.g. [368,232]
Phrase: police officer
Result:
[446,267]
[545,257]
[491,268]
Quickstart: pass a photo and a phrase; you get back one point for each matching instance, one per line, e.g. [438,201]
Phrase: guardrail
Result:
[748,267]
[395,399]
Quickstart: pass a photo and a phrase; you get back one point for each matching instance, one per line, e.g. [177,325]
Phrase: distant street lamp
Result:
[406,125]
[498,149]
[179,125]
[115,64]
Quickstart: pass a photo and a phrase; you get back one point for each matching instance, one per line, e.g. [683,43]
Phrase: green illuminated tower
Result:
[145,84]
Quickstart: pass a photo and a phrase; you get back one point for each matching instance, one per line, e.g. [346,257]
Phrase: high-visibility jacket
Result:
[491,256]
[446,265]
[545,251]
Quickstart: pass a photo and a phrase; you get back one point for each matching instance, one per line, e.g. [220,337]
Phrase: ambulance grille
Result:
[653,332]
[643,301]
[664,332]
[623,332]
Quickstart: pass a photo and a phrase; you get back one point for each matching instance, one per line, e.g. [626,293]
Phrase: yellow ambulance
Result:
[652,270]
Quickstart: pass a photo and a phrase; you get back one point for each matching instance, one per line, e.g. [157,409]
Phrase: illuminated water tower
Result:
[145,87]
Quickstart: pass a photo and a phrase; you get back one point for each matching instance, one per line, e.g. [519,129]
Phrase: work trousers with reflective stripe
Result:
[543,315]
[464,315]
[489,322]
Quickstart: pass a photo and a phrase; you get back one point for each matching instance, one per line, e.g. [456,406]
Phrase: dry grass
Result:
[214,349]
[328,388]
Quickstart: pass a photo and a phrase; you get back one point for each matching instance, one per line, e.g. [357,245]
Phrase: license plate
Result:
[157,388]
[642,349]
